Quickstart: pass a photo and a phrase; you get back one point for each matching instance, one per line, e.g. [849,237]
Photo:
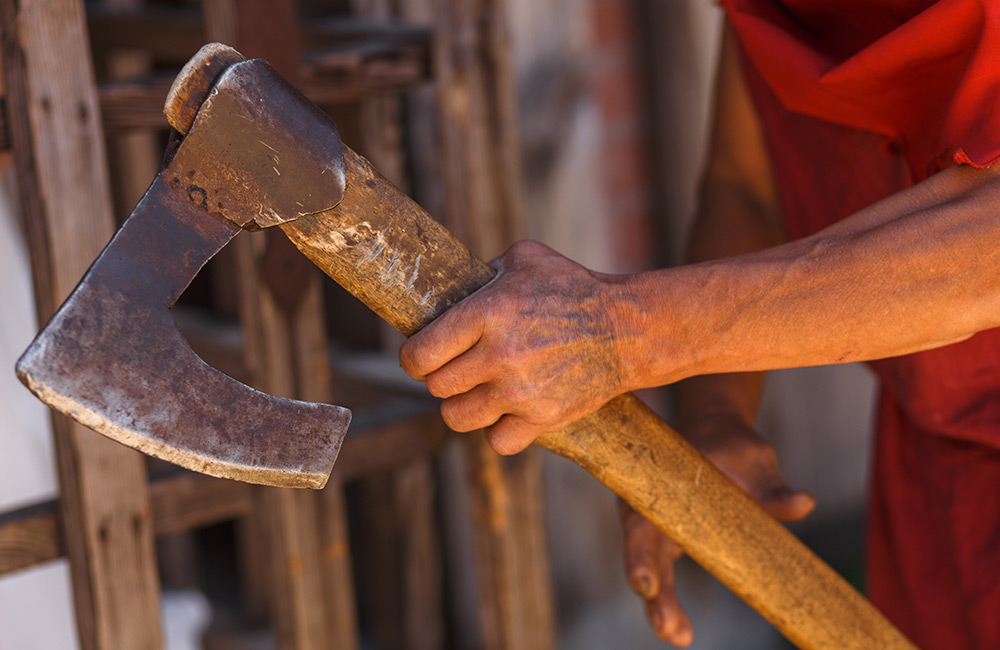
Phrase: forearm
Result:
[731,221]
[913,272]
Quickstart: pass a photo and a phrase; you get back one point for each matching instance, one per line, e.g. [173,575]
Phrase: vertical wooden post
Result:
[62,175]
[411,490]
[286,353]
[482,203]
[135,157]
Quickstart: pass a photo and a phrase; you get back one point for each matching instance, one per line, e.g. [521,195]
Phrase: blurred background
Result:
[580,124]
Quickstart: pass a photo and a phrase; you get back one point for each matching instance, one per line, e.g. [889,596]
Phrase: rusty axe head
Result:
[112,357]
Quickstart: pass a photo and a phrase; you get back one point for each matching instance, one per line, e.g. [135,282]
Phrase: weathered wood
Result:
[4,135]
[481,185]
[333,77]
[188,501]
[390,446]
[409,270]
[335,563]
[481,148]
[286,355]
[134,157]
[134,104]
[423,611]
[167,35]
[173,35]
[29,536]
[61,168]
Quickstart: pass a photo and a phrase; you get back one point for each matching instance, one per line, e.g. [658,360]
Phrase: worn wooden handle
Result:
[387,251]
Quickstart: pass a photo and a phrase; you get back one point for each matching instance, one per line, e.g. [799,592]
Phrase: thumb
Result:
[783,503]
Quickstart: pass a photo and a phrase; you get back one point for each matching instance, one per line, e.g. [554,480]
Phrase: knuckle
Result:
[548,414]
[440,386]
[506,439]
[412,358]
[454,418]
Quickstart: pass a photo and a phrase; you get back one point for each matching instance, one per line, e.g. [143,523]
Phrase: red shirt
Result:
[860,99]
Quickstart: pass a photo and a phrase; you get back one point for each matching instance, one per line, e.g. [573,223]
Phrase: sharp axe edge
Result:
[212,465]
[113,359]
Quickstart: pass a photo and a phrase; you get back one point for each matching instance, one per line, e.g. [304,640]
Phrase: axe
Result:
[254,153]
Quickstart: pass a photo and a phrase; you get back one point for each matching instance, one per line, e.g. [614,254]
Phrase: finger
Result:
[640,555]
[459,375]
[472,410]
[665,612]
[785,504]
[511,434]
[668,619]
[448,337]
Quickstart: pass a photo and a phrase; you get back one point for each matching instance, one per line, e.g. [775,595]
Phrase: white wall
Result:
[36,612]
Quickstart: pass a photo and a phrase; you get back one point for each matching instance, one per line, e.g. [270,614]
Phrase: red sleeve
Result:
[926,73]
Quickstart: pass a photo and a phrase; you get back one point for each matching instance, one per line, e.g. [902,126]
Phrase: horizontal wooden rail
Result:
[390,437]
[345,60]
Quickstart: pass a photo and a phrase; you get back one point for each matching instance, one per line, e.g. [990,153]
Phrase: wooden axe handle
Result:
[383,248]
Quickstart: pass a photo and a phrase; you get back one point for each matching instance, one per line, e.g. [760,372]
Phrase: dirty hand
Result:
[750,462]
[529,353]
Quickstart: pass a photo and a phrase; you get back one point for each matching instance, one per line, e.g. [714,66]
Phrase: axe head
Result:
[254,154]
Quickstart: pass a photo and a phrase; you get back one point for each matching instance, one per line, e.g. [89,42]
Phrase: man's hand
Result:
[650,555]
[529,353]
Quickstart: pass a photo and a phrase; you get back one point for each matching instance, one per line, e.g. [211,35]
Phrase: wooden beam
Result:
[167,35]
[66,206]
[189,501]
[186,501]
[482,203]
[4,135]
[30,536]
[346,61]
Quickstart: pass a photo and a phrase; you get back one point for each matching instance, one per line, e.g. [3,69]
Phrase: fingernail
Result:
[643,583]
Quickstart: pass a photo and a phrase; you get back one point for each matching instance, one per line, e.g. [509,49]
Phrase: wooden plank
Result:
[390,446]
[422,574]
[4,135]
[172,35]
[166,35]
[479,153]
[411,488]
[61,169]
[338,576]
[29,536]
[398,437]
[134,104]
[189,501]
[332,77]
[286,355]
[134,157]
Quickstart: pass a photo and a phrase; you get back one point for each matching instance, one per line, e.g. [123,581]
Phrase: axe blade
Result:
[112,359]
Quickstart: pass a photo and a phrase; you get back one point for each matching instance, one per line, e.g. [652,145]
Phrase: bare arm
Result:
[737,214]
[913,272]
[549,341]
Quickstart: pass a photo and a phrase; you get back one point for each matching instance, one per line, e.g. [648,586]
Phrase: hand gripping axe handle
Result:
[256,153]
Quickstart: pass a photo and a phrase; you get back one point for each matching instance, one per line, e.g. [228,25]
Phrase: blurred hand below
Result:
[650,556]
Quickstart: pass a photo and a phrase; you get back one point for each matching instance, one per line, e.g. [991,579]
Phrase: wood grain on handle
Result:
[383,248]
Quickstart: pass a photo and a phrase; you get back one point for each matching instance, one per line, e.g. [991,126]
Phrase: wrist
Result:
[655,334]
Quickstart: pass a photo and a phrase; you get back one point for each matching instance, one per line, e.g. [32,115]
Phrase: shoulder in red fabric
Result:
[924,73]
